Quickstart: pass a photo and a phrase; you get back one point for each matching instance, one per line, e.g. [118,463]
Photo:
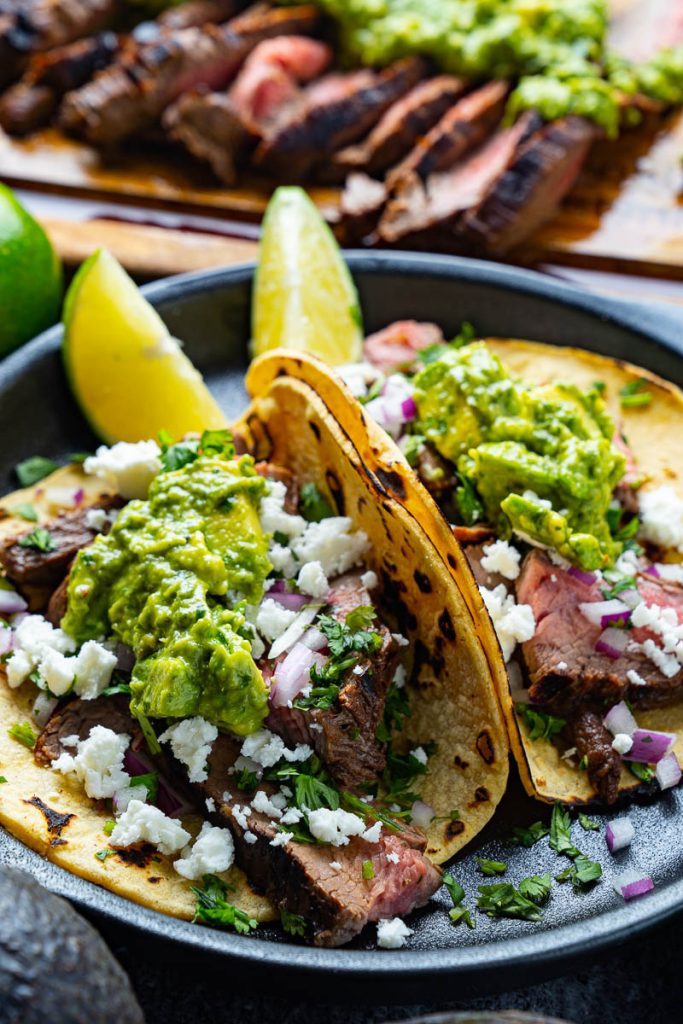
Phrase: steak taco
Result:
[238,683]
[557,470]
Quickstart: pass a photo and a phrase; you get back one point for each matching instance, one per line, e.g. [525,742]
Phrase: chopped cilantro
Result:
[635,394]
[396,710]
[247,781]
[411,446]
[2,779]
[536,887]
[358,806]
[301,833]
[491,867]
[361,617]
[458,914]
[281,538]
[30,471]
[293,924]
[528,836]
[23,733]
[25,510]
[109,827]
[78,458]
[313,505]
[599,386]
[457,894]
[583,873]
[119,687]
[150,780]
[583,763]
[560,832]
[321,697]
[454,816]
[103,854]
[540,725]
[626,583]
[368,870]
[503,900]
[641,771]
[40,539]
[217,442]
[588,824]
[213,908]
[314,793]
[346,641]
[212,442]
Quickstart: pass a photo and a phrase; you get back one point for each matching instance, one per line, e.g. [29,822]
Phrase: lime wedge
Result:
[304,297]
[129,376]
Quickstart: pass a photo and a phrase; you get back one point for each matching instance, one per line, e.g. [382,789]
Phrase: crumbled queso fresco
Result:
[661,517]
[514,623]
[392,933]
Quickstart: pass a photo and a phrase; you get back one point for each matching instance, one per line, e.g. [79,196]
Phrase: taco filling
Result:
[574,538]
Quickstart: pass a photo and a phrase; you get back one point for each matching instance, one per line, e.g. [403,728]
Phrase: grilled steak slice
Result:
[528,192]
[337,110]
[395,347]
[220,127]
[395,133]
[197,12]
[77,718]
[27,566]
[458,132]
[31,103]
[344,736]
[594,742]
[564,668]
[428,210]
[360,207]
[132,94]
[57,605]
[336,902]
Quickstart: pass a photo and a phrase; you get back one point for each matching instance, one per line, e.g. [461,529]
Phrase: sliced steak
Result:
[133,93]
[27,566]
[564,668]
[58,603]
[32,102]
[594,742]
[344,737]
[77,718]
[459,131]
[397,131]
[197,12]
[337,110]
[475,552]
[335,902]
[423,211]
[360,207]
[529,190]
[395,347]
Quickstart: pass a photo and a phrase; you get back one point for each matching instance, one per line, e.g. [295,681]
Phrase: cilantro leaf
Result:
[148,732]
[247,781]
[31,470]
[583,873]
[40,539]
[23,733]
[217,442]
[361,618]
[78,458]
[103,854]
[641,771]
[293,924]
[560,832]
[366,810]
[411,445]
[503,900]
[528,836]
[455,890]
[396,710]
[588,824]
[150,780]
[313,505]
[213,908]
[25,510]
[536,887]
[635,394]
[540,725]
[458,914]
[491,867]
[314,793]
[2,779]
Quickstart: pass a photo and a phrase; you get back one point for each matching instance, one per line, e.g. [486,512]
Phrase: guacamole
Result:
[170,580]
[540,460]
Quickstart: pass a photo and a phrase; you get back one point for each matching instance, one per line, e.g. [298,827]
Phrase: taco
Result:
[238,681]
[558,472]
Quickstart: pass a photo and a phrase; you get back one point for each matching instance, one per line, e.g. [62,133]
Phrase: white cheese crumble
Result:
[239,813]
[369,580]
[273,619]
[335,827]
[212,851]
[96,519]
[419,754]
[93,670]
[336,865]
[661,517]
[250,838]
[264,805]
[98,762]
[358,377]
[144,823]
[400,677]
[281,839]
[266,749]
[672,572]
[127,468]
[210,805]
[514,623]
[273,517]
[393,857]
[333,543]
[392,933]
[33,638]
[622,743]
[291,816]
[635,678]
[42,648]
[191,741]
[501,558]
[372,834]
[312,580]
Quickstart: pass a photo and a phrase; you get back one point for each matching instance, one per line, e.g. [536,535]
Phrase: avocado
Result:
[53,964]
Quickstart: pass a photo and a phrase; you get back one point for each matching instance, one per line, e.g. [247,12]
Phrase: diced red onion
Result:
[11,602]
[619,834]
[409,409]
[42,709]
[579,574]
[170,801]
[293,674]
[294,602]
[136,763]
[6,640]
[601,613]
[650,746]
[631,884]
[668,771]
[612,642]
[631,598]
[314,639]
[63,497]
[421,814]
[125,658]
[614,618]
[79,495]
[652,570]
[294,631]
[620,720]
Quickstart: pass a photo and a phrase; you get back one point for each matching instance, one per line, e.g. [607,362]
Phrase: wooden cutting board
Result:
[625,212]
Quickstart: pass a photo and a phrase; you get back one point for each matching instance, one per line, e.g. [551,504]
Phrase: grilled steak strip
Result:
[336,111]
[528,192]
[360,207]
[336,903]
[197,12]
[459,131]
[344,736]
[132,94]
[405,121]
[564,668]
[594,742]
[31,103]
[77,717]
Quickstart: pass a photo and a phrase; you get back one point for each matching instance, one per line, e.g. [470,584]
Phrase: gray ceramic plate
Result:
[210,312]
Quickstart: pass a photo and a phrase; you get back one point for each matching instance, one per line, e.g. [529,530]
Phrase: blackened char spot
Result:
[315,429]
[446,624]
[423,656]
[391,481]
[140,856]
[481,796]
[154,879]
[422,581]
[56,821]
[451,561]
[485,747]
[454,828]
[337,492]
[391,594]
[459,763]
[281,373]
